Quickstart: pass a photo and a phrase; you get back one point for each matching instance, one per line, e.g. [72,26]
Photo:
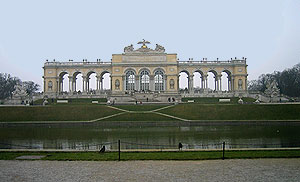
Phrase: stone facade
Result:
[144,70]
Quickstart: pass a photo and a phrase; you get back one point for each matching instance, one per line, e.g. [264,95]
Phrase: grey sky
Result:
[264,31]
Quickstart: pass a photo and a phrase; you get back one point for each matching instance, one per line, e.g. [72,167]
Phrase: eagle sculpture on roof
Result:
[144,42]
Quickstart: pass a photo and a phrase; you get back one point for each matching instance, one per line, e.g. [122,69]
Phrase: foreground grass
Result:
[234,112]
[185,155]
[55,113]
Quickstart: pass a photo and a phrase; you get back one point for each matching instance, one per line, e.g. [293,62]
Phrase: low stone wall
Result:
[145,97]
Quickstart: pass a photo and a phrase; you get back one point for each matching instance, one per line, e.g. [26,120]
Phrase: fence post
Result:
[223,150]
[119,146]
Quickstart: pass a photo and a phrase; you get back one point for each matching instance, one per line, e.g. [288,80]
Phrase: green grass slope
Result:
[235,112]
[139,117]
[55,113]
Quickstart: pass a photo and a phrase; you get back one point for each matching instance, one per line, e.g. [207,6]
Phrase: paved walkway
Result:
[212,170]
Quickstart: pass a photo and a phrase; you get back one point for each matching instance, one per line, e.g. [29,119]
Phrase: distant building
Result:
[145,73]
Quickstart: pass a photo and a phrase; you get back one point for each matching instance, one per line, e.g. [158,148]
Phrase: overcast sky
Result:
[267,32]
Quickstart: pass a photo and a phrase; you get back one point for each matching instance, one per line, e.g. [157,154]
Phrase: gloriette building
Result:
[145,73]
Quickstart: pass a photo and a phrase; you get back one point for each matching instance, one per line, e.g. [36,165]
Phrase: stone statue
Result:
[20,91]
[144,42]
[159,48]
[19,96]
[117,84]
[272,89]
[129,48]
[240,84]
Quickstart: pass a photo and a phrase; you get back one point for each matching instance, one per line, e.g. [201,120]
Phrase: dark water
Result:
[194,137]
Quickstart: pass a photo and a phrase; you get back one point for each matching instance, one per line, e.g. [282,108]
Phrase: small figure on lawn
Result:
[180,146]
[102,150]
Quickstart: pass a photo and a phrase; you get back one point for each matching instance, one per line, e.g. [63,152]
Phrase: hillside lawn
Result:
[55,113]
[235,112]
[141,107]
[189,111]
[140,117]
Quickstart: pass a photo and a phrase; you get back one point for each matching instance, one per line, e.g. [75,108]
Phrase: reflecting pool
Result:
[145,137]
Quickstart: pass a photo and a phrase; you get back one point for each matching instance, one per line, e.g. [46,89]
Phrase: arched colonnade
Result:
[85,78]
[213,80]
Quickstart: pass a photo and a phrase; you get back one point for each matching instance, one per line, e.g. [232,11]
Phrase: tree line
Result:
[8,83]
[288,81]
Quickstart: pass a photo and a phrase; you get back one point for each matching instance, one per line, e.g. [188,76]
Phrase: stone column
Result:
[201,82]
[70,84]
[124,83]
[111,82]
[57,85]
[97,83]
[229,83]
[232,84]
[165,82]
[88,84]
[83,83]
[191,83]
[74,84]
[246,84]
[101,84]
[220,82]
[178,89]
[216,83]
[137,82]
[152,83]
[204,81]
[61,85]
[44,86]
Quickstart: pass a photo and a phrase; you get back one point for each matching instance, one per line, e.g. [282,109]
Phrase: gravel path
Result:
[211,170]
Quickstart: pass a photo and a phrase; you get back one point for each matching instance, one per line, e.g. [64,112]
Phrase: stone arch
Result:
[199,71]
[76,73]
[130,69]
[144,69]
[91,80]
[184,71]
[226,80]
[159,80]
[158,69]
[104,80]
[63,81]
[212,79]
[213,71]
[77,80]
[144,79]
[88,74]
[62,73]
[130,79]
[198,80]
[227,71]
[184,80]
